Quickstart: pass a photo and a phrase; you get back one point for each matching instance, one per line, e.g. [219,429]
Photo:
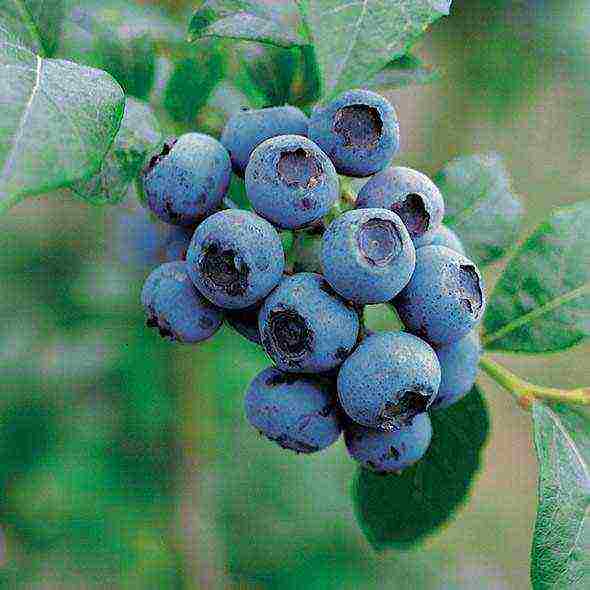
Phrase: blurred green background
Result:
[126,462]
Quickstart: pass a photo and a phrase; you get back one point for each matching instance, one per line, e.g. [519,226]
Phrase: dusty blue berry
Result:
[297,412]
[188,179]
[367,255]
[459,363]
[250,127]
[305,327]
[390,378]
[358,130]
[177,243]
[235,258]
[176,308]
[407,192]
[290,181]
[389,451]
[441,236]
[445,297]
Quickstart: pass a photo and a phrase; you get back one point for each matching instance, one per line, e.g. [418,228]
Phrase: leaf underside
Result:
[407,70]
[354,40]
[542,301]
[481,206]
[58,121]
[560,556]
[400,510]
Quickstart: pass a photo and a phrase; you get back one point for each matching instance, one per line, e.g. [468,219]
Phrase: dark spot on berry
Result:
[298,168]
[157,158]
[222,268]
[289,332]
[379,241]
[326,410]
[280,378]
[172,215]
[394,453]
[402,412]
[470,291]
[360,126]
[286,442]
[307,204]
[412,211]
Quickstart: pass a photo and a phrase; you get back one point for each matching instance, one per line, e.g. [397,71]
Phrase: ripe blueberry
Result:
[235,258]
[441,236]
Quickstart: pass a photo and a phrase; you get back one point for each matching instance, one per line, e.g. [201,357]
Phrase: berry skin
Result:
[305,327]
[441,236]
[291,182]
[249,128]
[389,451]
[297,412]
[235,258]
[459,363]
[367,255]
[390,378]
[177,243]
[188,179]
[245,323]
[176,308]
[445,297]
[358,130]
[407,192]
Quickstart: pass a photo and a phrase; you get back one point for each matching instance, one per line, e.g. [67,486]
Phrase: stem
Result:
[347,194]
[526,392]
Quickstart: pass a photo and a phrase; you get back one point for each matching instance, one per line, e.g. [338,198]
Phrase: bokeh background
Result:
[126,462]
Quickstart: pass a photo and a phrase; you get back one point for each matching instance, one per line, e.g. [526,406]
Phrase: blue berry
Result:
[235,258]
[138,239]
[188,179]
[176,308]
[249,128]
[177,243]
[407,192]
[390,378]
[389,451]
[441,236]
[445,297]
[305,327]
[297,412]
[291,182]
[367,255]
[358,130]
[459,363]
[245,323]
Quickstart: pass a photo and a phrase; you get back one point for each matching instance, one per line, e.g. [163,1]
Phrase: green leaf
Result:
[35,24]
[57,122]
[137,138]
[542,301]
[481,205]
[400,510]
[250,20]
[119,39]
[354,40]
[192,81]
[407,70]
[561,543]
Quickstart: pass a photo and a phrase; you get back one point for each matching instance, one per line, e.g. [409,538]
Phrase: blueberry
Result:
[235,258]
[248,128]
[445,297]
[407,192]
[245,323]
[390,451]
[459,363]
[188,179]
[176,308]
[305,327]
[367,255]
[291,182]
[358,130]
[441,236]
[177,243]
[297,412]
[390,378]
[138,239]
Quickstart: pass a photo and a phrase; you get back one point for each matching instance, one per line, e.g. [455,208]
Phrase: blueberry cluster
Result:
[330,374]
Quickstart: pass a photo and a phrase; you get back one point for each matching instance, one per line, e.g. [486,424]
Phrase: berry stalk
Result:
[526,392]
